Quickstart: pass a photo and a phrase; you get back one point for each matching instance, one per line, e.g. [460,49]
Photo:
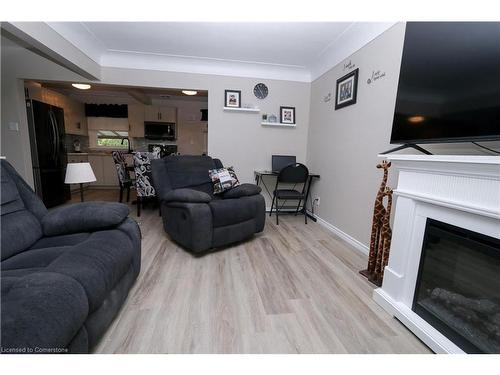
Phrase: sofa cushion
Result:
[243,190]
[30,200]
[43,308]
[20,227]
[231,211]
[63,240]
[11,200]
[97,263]
[20,272]
[84,217]
[19,231]
[187,196]
[36,258]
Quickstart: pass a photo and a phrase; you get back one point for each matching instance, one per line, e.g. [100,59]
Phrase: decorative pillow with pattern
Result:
[223,179]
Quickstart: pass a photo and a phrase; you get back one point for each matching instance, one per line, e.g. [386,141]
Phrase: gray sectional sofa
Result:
[64,273]
[193,215]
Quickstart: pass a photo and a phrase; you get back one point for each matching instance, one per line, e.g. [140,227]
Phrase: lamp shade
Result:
[79,173]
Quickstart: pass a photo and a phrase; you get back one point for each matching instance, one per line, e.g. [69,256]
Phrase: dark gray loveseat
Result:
[196,218]
[65,273]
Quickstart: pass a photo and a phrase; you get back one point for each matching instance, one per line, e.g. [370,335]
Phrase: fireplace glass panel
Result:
[458,286]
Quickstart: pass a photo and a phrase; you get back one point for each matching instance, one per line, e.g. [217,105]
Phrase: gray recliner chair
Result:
[196,218]
[65,272]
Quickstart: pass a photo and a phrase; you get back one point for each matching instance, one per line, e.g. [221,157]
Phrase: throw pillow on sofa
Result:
[223,179]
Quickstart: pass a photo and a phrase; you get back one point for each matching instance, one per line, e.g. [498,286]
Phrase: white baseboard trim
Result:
[347,238]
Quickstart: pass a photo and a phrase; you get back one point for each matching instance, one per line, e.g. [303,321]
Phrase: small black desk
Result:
[260,174]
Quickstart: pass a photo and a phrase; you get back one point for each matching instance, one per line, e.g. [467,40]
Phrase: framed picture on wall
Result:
[287,115]
[346,90]
[232,98]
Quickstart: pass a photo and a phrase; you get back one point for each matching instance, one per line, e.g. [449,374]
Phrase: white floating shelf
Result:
[278,124]
[231,109]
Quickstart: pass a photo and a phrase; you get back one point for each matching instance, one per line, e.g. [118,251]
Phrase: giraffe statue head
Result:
[384,165]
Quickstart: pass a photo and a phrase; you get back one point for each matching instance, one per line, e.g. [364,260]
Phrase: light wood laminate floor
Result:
[294,288]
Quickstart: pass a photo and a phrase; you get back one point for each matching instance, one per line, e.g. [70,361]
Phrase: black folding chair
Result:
[296,173]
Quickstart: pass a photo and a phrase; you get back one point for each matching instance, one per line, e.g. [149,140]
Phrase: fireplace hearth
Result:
[458,286]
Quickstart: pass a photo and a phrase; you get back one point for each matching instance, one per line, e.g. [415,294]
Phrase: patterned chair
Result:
[123,174]
[143,183]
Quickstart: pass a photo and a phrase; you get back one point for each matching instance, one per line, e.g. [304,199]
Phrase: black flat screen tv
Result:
[449,83]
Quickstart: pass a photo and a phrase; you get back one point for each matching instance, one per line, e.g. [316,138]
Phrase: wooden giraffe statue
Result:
[381,231]
[384,241]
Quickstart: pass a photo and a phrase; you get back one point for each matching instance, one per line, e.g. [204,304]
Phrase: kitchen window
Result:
[107,133]
[111,138]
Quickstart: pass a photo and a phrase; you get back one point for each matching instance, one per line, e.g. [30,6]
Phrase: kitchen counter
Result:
[91,153]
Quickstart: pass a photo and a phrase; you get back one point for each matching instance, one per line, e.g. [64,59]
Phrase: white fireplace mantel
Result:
[460,190]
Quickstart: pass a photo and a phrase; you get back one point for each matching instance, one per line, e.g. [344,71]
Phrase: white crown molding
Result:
[356,36]
[188,64]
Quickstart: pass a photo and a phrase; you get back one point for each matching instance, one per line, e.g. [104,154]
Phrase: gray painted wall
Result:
[343,145]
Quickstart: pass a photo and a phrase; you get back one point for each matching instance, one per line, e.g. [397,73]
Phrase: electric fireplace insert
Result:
[458,286]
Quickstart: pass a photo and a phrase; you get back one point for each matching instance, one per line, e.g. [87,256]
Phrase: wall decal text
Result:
[349,65]
[376,75]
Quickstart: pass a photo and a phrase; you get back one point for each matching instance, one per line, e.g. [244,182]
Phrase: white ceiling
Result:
[296,44]
[292,50]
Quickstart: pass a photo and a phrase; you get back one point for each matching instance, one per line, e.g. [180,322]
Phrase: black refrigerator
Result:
[48,152]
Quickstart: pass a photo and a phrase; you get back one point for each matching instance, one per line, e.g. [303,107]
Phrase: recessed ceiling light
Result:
[81,86]
[416,119]
[189,92]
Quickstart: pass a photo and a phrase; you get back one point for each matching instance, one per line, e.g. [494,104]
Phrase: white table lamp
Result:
[79,173]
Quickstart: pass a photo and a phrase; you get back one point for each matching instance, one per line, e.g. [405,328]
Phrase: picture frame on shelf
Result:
[346,91]
[287,115]
[232,98]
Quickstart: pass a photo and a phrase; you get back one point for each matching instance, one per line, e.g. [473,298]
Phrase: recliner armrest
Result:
[187,196]
[243,190]
[84,217]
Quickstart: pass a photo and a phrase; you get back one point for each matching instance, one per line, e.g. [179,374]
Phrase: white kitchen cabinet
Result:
[160,113]
[104,170]
[151,113]
[109,171]
[168,114]
[75,121]
[136,120]
[96,164]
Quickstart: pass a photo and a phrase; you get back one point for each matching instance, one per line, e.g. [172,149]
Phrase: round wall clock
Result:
[260,90]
